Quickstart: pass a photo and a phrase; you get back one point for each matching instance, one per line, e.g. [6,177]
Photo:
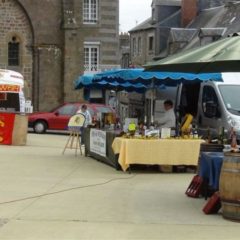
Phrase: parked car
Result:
[59,117]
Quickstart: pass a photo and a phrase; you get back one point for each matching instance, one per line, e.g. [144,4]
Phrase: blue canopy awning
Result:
[139,80]
[138,75]
[87,82]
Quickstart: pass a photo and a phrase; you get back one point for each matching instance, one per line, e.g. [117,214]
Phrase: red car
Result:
[59,117]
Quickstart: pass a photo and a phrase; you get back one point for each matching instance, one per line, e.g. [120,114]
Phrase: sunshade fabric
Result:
[139,80]
[134,76]
[220,56]
[87,82]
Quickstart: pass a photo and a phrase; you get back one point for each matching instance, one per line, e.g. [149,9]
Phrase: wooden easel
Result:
[74,125]
[73,142]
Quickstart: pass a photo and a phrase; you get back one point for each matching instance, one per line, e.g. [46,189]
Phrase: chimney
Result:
[189,11]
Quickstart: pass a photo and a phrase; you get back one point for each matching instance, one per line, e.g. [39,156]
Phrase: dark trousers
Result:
[82,136]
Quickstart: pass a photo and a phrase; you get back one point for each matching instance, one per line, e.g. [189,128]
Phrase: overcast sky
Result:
[133,12]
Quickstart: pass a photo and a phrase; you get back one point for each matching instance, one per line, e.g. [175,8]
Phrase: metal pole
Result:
[152,89]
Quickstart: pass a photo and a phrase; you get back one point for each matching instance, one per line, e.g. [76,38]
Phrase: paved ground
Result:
[45,195]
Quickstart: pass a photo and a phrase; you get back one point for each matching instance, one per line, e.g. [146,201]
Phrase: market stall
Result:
[98,139]
[98,144]
[13,121]
[140,80]
[209,168]
[157,151]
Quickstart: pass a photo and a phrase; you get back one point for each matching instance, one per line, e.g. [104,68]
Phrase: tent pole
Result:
[152,84]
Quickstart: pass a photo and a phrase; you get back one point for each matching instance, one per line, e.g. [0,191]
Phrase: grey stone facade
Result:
[52,37]
[188,24]
[176,25]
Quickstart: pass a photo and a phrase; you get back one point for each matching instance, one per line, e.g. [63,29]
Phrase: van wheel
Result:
[40,127]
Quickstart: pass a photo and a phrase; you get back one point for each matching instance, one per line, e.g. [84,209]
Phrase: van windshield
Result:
[230,95]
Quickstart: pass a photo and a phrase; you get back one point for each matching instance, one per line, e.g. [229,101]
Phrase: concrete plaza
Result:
[45,195]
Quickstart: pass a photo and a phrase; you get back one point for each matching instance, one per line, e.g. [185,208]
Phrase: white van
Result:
[11,92]
[213,104]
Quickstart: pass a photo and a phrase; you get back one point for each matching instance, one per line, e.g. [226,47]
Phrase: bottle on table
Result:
[191,130]
[220,135]
[209,138]
[195,132]
[233,138]
[225,136]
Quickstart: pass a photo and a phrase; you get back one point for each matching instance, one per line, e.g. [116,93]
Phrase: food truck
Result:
[11,92]
[13,122]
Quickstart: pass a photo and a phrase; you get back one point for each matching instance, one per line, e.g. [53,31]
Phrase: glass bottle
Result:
[233,139]
[220,135]
[208,135]
[225,140]
[195,132]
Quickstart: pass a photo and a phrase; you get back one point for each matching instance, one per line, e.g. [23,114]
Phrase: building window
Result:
[90,11]
[13,52]
[139,46]
[91,58]
[150,43]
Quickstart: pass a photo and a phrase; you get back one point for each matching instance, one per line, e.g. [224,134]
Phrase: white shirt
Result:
[88,117]
[168,120]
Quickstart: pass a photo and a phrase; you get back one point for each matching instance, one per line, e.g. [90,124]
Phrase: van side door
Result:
[209,111]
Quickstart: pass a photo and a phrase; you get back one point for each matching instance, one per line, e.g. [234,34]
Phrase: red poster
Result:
[6,128]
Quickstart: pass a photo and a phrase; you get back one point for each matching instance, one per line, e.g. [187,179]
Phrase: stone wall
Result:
[15,23]
[53,35]
[145,55]
[46,18]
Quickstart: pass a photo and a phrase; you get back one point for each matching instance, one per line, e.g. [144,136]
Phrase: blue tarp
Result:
[87,82]
[138,75]
[140,80]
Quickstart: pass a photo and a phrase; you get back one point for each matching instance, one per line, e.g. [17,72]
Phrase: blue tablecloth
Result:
[210,167]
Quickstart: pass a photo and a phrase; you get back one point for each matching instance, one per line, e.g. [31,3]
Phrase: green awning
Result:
[219,56]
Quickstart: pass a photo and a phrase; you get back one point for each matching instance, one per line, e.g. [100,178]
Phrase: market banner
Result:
[9,88]
[6,128]
[98,142]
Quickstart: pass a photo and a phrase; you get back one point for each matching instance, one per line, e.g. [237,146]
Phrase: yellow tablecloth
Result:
[157,151]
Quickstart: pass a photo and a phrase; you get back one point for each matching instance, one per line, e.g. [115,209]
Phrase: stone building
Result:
[124,50]
[129,104]
[52,42]
[176,25]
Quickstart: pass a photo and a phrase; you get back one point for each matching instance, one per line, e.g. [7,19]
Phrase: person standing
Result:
[169,119]
[88,120]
